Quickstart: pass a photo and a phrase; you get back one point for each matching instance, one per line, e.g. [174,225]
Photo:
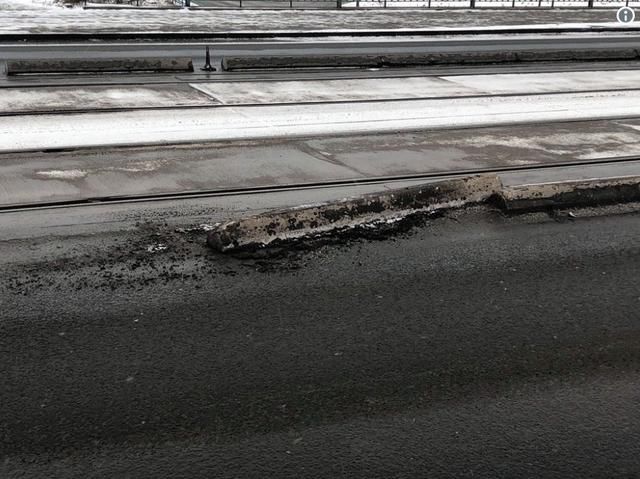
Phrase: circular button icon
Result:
[626,15]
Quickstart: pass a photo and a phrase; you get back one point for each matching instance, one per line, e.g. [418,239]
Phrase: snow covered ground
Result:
[29,5]
[17,100]
[416,87]
[39,16]
[277,121]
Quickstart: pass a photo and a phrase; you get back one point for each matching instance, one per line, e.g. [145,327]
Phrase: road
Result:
[195,50]
[476,346]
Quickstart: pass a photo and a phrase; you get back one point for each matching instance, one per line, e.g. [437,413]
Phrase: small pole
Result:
[207,62]
[290,3]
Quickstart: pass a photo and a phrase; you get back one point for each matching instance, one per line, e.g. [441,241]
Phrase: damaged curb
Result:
[371,209]
[385,208]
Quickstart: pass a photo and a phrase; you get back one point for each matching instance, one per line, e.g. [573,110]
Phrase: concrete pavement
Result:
[31,178]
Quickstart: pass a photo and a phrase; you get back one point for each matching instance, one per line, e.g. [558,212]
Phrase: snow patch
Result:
[155,248]
[62,174]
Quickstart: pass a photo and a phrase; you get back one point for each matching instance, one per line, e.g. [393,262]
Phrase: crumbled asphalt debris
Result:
[152,254]
[121,261]
[160,254]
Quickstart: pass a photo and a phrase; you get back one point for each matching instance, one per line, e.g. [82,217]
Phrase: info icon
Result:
[626,15]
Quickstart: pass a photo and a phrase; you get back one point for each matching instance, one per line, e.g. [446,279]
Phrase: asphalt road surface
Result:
[475,346]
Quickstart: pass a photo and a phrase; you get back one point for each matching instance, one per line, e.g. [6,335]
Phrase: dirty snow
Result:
[75,174]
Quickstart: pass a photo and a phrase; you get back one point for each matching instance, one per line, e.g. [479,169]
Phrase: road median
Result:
[395,60]
[106,65]
[570,193]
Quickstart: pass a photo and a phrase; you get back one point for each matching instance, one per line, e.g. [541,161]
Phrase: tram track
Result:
[390,180]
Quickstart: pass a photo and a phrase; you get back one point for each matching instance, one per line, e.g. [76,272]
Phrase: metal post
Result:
[385,3]
[472,4]
[207,62]
[513,3]
[357,3]
[290,3]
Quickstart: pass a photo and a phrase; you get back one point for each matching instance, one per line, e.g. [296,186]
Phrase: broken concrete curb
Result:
[571,193]
[261,230]
[373,210]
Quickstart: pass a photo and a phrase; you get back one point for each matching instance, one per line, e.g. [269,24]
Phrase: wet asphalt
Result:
[475,345]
